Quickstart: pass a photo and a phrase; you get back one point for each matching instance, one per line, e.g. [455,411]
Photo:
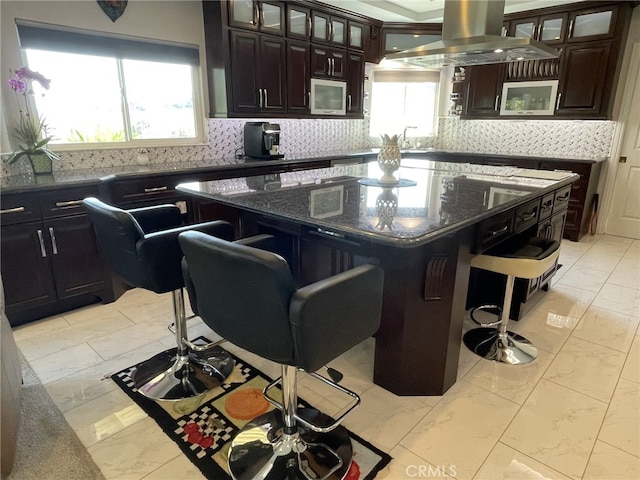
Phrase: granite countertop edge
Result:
[96,176]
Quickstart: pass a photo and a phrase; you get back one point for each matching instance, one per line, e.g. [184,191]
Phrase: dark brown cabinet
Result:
[261,55]
[258,72]
[298,76]
[589,39]
[328,62]
[355,83]
[49,254]
[582,82]
[328,28]
[484,89]
[267,17]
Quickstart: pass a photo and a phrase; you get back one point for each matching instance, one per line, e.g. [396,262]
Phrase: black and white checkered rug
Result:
[204,434]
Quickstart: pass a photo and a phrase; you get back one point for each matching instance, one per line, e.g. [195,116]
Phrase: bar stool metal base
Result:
[172,377]
[509,347]
[262,450]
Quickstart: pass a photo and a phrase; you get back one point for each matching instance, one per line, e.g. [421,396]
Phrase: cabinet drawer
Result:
[140,190]
[546,206]
[526,216]
[494,230]
[19,208]
[561,198]
[65,201]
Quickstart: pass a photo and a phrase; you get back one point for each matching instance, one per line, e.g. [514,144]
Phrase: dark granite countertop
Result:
[230,166]
[439,197]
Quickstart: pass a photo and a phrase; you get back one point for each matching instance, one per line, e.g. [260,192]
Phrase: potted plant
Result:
[30,131]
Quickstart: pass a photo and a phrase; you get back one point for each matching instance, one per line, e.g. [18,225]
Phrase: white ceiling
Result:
[424,10]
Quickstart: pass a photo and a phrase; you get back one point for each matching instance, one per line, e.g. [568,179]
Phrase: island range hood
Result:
[471,35]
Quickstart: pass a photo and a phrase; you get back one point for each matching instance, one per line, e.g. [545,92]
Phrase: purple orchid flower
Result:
[17,84]
[27,73]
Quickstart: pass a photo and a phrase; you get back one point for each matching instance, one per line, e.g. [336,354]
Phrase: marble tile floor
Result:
[574,413]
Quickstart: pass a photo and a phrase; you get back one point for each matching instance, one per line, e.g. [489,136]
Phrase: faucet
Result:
[406,142]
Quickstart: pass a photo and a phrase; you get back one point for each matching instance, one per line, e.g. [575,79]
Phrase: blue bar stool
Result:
[514,259]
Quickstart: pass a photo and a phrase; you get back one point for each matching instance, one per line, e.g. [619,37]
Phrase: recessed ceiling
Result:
[425,10]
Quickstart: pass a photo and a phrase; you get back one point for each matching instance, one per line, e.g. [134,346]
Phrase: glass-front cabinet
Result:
[529,98]
[592,24]
[550,29]
[329,29]
[266,17]
[356,35]
[298,21]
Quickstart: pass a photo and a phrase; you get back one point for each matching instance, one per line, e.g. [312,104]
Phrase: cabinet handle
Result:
[527,216]
[547,205]
[570,34]
[493,233]
[261,18]
[155,189]
[330,26]
[495,105]
[43,251]
[563,197]
[260,97]
[255,14]
[539,32]
[349,102]
[309,25]
[558,101]
[54,244]
[13,210]
[266,99]
[308,99]
[70,203]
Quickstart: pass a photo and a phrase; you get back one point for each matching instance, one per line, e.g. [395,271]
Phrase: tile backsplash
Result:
[548,138]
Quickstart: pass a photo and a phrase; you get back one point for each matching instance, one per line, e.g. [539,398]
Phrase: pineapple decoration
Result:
[389,158]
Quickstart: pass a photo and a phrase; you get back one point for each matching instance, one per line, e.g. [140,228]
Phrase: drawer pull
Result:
[13,210]
[563,197]
[54,244]
[70,203]
[547,205]
[527,216]
[493,233]
[156,189]
[43,251]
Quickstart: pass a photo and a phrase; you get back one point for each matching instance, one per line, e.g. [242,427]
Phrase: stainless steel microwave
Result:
[328,97]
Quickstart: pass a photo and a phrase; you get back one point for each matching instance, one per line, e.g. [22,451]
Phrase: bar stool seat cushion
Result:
[528,260]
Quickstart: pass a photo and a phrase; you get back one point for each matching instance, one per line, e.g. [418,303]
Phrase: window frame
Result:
[100,44]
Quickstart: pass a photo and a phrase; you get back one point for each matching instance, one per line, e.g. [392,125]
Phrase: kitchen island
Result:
[423,231]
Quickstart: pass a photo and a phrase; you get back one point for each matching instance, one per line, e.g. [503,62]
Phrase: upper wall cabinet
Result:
[268,17]
[592,24]
[402,36]
[261,55]
[550,29]
[589,39]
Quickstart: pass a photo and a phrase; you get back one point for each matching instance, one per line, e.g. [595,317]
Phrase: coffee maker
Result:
[262,140]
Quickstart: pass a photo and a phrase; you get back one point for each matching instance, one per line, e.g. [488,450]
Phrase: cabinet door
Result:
[245,72]
[485,88]
[524,28]
[271,18]
[328,62]
[243,14]
[264,16]
[298,76]
[321,26]
[582,78]
[338,31]
[24,254]
[272,74]
[592,24]
[75,260]
[298,22]
[552,28]
[356,36]
[355,83]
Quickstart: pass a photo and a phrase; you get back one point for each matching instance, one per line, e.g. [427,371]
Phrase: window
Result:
[404,99]
[113,90]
